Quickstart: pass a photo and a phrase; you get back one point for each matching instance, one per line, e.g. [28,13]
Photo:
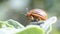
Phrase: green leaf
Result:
[31,30]
[15,24]
[4,24]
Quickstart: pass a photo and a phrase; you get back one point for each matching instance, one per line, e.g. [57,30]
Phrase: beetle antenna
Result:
[27,9]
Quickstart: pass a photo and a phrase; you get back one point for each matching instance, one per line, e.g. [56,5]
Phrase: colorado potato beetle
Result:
[36,15]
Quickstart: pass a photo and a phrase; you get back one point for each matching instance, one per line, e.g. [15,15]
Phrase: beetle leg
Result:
[32,18]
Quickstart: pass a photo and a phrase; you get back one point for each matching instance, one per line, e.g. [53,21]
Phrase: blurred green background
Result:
[15,9]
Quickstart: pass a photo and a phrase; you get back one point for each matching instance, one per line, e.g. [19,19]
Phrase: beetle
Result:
[36,14]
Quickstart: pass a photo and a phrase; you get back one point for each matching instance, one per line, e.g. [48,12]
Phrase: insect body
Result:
[36,14]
